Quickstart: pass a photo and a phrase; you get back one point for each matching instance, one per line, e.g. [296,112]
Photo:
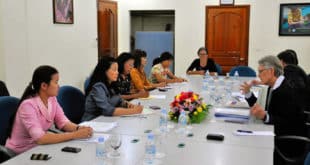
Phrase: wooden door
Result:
[107,28]
[227,35]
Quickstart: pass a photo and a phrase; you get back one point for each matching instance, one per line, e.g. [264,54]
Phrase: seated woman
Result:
[200,65]
[160,71]
[37,112]
[101,95]
[125,64]
[137,74]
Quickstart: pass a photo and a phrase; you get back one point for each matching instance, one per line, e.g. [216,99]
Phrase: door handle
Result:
[242,59]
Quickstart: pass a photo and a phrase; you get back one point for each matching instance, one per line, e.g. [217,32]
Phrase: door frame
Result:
[247,30]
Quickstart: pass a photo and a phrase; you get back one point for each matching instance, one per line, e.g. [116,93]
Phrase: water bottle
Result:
[236,76]
[236,84]
[100,148]
[205,81]
[211,84]
[182,123]
[150,149]
[163,120]
[207,74]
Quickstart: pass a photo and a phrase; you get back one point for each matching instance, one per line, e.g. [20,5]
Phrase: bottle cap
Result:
[164,110]
[150,136]
[101,139]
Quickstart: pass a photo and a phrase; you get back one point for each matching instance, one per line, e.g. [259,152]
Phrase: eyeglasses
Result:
[203,54]
[262,70]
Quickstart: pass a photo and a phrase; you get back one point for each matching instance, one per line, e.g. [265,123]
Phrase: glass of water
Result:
[115,143]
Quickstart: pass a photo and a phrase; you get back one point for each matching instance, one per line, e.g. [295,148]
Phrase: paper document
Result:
[253,133]
[100,126]
[158,96]
[237,104]
[154,97]
[232,113]
[146,111]
[94,138]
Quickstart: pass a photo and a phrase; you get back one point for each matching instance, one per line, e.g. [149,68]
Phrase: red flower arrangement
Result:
[190,102]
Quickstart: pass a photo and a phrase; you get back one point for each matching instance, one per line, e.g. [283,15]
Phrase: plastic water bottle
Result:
[182,123]
[236,76]
[211,84]
[207,74]
[100,148]
[150,149]
[163,121]
[236,83]
[205,81]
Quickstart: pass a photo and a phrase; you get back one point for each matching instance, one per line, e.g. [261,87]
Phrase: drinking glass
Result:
[115,142]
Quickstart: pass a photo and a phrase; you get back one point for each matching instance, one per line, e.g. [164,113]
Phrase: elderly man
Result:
[282,108]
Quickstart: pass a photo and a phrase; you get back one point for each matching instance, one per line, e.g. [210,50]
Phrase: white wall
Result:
[190,29]
[30,38]
[17,71]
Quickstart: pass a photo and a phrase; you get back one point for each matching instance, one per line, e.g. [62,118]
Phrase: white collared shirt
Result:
[278,82]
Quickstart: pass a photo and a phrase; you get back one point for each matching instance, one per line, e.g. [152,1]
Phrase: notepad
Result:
[146,111]
[154,97]
[254,133]
[100,126]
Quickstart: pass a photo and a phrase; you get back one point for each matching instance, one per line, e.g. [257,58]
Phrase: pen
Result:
[134,116]
[238,98]
[236,121]
[244,131]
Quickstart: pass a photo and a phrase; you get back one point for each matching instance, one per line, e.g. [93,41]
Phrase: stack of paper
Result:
[100,126]
[232,113]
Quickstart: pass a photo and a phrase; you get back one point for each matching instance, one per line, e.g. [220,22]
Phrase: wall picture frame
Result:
[63,11]
[227,2]
[294,19]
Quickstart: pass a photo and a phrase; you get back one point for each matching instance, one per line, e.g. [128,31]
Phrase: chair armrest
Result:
[291,137]
[7,152]
[297,138]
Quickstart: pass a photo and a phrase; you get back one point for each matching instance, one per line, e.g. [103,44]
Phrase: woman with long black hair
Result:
[124,84]
[101,95]
[38,110]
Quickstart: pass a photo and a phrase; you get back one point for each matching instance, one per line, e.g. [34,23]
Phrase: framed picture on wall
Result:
[63,11]
[294,19]
[227,2]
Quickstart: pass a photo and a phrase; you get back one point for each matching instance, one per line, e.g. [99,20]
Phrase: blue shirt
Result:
[100,102]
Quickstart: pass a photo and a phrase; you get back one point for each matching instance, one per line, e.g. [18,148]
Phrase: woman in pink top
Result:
[38,111]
